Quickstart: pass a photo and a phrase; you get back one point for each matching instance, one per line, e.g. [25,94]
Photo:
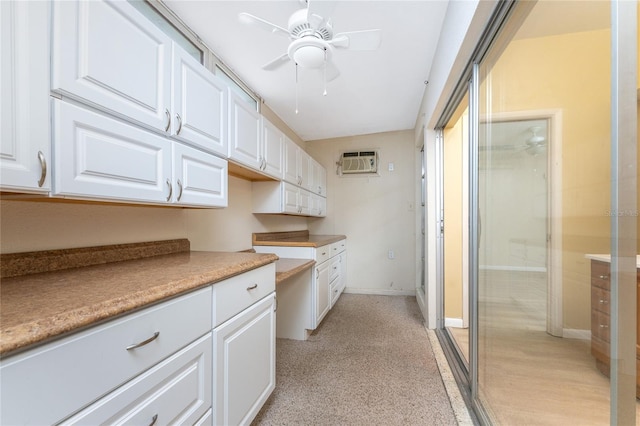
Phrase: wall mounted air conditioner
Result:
[359,162]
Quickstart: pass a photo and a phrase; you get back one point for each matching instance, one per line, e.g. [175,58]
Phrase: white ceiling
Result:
[377,91]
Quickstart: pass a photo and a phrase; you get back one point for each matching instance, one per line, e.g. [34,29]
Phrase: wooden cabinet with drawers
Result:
[601,319]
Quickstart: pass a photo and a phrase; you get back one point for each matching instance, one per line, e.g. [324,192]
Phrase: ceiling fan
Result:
[312,38]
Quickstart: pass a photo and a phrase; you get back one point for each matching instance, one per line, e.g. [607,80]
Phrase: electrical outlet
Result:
[391,254]
[391,167]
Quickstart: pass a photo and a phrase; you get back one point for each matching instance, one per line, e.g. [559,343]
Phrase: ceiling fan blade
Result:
[358,40]
[319,11]
[248,18]
[276,63]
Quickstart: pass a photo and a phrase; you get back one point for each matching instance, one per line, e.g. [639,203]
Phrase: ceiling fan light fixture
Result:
[309,57]
[309,52]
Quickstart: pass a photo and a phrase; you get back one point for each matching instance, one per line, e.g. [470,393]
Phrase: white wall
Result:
[377,214]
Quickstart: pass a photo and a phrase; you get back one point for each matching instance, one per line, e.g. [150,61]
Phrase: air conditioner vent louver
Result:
[359,162]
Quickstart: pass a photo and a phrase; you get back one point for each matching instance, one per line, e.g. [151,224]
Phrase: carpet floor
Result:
[369,363]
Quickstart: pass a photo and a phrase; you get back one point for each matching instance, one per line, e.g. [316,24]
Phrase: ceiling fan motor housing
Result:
[300,26]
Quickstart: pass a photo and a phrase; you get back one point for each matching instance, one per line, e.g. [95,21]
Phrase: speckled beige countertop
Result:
[38,307]
[294,239]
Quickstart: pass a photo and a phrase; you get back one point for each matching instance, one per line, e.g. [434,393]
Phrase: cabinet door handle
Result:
[603,301]
[179,123]
[604,277]
[43,168]
[168,114]
[275,304]
[154,419]
[144,342]
[253,287]
[179,189]
[170,190]
[604,326]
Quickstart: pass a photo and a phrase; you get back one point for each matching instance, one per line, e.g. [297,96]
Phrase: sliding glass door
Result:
[552,216]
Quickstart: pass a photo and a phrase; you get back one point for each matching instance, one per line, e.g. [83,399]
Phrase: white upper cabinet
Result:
[200,179]
[272,150]
[319,178]
[244,132]
[291,162]
[109,55]
[100,157]
[25,148]
[199,104]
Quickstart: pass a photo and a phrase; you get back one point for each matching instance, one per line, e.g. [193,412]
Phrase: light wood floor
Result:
[527,376]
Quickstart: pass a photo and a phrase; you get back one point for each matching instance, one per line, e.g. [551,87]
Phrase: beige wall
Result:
[31,226]
[377,214]
[452,182]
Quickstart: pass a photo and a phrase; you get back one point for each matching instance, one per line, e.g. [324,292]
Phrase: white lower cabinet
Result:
[99,157]
[95,363]
[328,281]
[244,346]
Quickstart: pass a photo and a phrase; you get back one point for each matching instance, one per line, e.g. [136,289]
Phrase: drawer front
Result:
[600,274]
[334,268]
[335,291]
[338,247]
[94,362]
[323,253]
[235,294]
[600,299]
[600,323]
[176,391]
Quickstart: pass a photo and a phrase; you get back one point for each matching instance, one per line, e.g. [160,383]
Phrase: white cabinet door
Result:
[109,55]
[321,292]
[343,270]
[244,363]
[291,161]
[199,104]
[200,179]
[100,157]
[304,203]
[318,206]
[272,150]
[305,170]
[319,179]
[25,148]
[291,198]
[244,132]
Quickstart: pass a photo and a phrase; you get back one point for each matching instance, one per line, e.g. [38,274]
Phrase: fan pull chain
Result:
[325,73]
[296,88]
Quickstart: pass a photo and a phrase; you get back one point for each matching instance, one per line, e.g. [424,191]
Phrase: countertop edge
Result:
[33,333]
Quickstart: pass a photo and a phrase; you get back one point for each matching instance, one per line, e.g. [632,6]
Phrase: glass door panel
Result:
[544,198]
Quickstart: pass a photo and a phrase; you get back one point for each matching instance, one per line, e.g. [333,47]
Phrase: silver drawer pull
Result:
[170,190]
[324,252]
[154,419]
[604,326]
[603,301]
[253,287]
[168,114]
[604,277]
[144,342]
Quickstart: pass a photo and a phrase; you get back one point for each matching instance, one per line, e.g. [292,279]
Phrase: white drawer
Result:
[338,247]
[323,253]
[334,268]
[176,391]
[89,364]
[235,294]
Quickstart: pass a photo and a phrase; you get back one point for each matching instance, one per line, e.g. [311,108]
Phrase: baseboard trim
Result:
[379,292]
[573,333]
[513,268]
[453,322]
